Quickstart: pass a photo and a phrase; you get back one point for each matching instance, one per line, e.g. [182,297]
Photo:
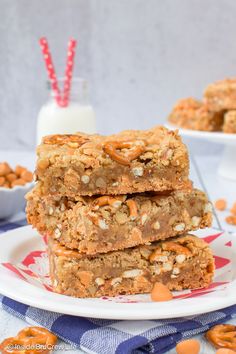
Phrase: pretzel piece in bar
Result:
[136,149]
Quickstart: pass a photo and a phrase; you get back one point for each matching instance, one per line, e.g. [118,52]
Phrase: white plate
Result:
[16,244]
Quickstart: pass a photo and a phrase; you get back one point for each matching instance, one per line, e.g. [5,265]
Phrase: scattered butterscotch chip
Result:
[222,336]
[188,346]
[160,292]
[225,351]
[231,219]
[233,209]
[220,204]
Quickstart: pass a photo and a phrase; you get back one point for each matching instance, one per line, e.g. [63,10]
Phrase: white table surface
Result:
[204,175]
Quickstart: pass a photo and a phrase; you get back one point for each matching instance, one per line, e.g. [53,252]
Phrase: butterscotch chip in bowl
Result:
[4,169]
[2,181]
[11,177]
[18,182]
[14,184]
[19,170]
[27,176]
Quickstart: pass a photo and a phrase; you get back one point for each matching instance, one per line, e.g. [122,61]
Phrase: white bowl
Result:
[12,200]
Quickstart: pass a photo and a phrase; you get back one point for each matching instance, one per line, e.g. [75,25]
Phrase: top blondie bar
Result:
[129,162]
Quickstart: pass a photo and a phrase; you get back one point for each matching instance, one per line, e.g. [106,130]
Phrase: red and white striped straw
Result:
[61,99]
[50,68]
[68,71]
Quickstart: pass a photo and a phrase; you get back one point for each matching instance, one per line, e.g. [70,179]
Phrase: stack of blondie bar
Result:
[117,211]
[216,112]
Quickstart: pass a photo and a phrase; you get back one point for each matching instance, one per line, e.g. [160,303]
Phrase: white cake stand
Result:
[227,167]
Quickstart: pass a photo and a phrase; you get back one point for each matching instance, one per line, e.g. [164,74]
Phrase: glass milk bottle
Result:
[78,116]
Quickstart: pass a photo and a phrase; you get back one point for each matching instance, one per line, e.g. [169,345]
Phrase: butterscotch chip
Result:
[233,209]
[19,170]
[131,219]
[220,204]
[130,271]
[43,163]
[5,169]
[18,182]
[231,219]
[188,346]
[11,177]
[160,292]
[27,176]
[2,181]
[85,277]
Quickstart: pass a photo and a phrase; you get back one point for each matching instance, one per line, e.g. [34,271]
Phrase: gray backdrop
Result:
[138,55]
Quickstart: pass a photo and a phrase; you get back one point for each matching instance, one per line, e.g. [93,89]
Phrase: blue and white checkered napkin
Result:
[113,336]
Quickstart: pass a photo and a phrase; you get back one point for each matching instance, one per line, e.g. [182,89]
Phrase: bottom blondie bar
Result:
[230,122]
[184,262]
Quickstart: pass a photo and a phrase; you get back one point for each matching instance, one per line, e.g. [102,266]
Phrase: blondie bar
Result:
[192,114]
[129,162]
[221,95]
[182,263]
[102,224]
[230,122]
